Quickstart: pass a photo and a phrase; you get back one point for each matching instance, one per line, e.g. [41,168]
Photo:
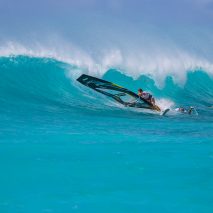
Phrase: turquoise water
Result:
[64,148]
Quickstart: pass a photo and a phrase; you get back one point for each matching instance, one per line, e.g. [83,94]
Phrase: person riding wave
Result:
[144,96]
[147,96]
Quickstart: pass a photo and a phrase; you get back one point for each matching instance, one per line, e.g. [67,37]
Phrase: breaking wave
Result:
[41,83]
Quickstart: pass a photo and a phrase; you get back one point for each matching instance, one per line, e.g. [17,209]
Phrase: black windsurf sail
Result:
[118,93]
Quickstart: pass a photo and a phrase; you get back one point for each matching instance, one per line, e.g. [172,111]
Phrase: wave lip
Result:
[158,63]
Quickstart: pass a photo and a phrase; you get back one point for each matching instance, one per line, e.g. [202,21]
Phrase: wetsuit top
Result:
[146,95]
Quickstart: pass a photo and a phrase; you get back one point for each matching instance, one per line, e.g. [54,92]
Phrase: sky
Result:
[27,16]
[134,26]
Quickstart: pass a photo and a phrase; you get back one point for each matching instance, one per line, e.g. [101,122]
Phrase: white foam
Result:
[165,103]
[157,64]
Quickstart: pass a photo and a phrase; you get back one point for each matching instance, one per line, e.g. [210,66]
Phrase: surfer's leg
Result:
[153,101]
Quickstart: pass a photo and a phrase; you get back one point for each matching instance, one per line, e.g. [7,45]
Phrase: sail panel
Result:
[118,93]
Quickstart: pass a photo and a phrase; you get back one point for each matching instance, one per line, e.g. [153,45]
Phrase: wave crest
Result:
[157,63]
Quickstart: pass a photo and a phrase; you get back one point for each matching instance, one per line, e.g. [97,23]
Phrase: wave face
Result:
[47,84]
[33,82]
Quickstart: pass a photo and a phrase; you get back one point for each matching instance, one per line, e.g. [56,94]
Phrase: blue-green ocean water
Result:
[64,148]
